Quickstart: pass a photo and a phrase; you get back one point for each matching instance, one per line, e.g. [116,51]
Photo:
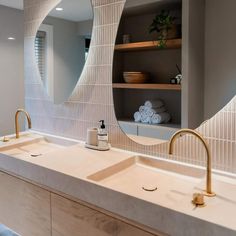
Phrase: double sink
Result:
[135,175]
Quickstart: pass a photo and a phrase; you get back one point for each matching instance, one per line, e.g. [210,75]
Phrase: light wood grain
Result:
[148,45]
[24,207]
[71,218]
[147,86]
[24,226]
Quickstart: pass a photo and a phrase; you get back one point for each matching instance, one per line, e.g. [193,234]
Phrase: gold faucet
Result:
[17,121]
[199,136]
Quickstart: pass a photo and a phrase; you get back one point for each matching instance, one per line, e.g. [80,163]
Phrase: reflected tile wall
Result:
[92,98]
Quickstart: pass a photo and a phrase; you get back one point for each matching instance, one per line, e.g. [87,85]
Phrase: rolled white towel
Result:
[137,116]
[149,111]
[154,104]
[142,109]
[160,118]
[145,111]
[145,119]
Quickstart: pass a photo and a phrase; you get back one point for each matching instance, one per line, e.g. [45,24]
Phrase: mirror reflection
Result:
[147,57]
[61,47]
[164,73]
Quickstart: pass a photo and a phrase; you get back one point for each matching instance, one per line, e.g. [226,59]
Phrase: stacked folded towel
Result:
[152,112]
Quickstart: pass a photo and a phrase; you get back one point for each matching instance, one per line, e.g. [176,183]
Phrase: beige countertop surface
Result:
[66,169]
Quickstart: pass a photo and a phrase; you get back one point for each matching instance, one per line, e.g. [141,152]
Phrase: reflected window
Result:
[87,45]
[44,56]
[40,53]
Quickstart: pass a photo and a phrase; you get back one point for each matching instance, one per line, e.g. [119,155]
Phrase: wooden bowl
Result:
[135,77]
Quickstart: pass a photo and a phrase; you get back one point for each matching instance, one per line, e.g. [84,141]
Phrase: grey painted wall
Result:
[209,56]
[85,28]
[220,55]
[69,57]
[11,67]
[193,62]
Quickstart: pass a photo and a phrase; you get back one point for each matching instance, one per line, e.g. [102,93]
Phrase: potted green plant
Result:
[161,24]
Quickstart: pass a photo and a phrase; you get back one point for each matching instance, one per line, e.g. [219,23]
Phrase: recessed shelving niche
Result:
[143,54]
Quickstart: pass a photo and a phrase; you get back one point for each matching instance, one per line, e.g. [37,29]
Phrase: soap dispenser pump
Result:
[103,137]
[102,125]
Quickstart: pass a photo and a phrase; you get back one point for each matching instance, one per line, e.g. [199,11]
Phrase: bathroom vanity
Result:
[50,184]
[45,212]
[69,190]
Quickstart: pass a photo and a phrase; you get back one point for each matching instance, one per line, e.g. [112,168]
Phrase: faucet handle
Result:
[198,199]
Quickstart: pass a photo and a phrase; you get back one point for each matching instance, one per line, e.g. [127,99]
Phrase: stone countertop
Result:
[66,170]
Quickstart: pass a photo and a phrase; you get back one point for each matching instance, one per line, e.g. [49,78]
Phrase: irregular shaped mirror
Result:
[168,67]
[62,45]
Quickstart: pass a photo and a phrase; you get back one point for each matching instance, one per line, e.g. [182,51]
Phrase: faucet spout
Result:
[17,121]
[200,137]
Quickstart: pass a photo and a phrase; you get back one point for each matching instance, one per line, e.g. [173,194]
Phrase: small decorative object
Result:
[161,24]
[173,81]
[92,138]
[178,77]
[176,80]
[135,77]
[126,38]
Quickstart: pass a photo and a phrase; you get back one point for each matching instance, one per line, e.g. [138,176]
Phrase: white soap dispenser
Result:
[103,144]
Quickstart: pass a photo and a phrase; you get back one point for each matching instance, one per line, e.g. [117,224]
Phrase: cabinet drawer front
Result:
[24,207]
[71,218]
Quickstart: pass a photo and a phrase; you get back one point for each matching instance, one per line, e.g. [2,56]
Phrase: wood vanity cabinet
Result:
[74,219]
[33,211]
[24,207]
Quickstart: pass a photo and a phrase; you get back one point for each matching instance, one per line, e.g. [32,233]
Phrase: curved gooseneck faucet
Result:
[200,137]
[17,121]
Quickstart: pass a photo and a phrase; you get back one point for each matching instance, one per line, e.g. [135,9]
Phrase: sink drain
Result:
[35,155]
[149,188]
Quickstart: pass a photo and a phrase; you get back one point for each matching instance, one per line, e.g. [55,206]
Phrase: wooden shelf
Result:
[147,86]
[148,45]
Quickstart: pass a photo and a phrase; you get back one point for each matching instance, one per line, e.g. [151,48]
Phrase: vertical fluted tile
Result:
[92,98]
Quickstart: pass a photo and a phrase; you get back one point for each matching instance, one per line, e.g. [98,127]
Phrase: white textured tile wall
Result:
[92,98]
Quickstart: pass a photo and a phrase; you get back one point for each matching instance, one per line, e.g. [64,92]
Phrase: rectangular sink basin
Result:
[32,145]
[138,174]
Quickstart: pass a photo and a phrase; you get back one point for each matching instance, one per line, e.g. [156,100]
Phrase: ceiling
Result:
[74,10]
